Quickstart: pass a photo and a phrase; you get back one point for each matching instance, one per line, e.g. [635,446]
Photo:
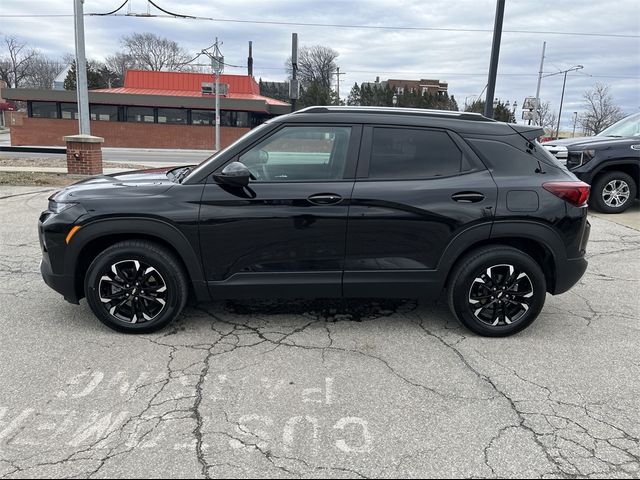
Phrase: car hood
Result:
[127,184]
[580,143]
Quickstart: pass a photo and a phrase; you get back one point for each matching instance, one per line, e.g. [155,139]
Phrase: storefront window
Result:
[203,117]
[44,110]
[172,115]
[69,110]
[106,113]
[140,114]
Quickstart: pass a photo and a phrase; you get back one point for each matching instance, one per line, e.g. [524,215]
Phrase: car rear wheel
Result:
[136,287]
[497,291]
[613,192]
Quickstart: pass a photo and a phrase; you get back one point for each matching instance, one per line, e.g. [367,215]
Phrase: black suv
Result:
[330,202]
[608,161]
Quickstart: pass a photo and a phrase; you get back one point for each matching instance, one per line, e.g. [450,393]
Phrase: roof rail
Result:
[398,111]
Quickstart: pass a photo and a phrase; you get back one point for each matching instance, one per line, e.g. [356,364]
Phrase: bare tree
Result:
[43,72]
[17,63]
[148,51]
[119,63]
[600,110]
[315,65]
[547,117]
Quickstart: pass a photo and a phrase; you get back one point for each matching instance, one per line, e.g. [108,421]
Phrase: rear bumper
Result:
[568,274]
[570,271]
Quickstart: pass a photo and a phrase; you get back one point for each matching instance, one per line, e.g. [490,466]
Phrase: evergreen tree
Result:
[501,112]
[355,96]
[98,76]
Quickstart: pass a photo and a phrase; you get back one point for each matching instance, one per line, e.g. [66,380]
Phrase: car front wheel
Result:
[136,287]
[497,291]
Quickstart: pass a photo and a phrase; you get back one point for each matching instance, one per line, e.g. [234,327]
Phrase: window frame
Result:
[353,152]
[471,162]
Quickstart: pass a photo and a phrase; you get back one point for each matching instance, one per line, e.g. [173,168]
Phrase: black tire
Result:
[470,281]
[118,297]
[601,192]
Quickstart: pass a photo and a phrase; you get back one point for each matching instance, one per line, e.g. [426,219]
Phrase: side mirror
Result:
[235,174]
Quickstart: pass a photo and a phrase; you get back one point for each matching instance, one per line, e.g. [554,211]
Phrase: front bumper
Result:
[63,284]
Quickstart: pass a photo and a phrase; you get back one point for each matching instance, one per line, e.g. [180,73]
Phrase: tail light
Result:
[576,193]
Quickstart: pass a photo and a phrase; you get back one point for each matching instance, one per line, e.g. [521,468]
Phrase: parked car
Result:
[330,202]
[608,161]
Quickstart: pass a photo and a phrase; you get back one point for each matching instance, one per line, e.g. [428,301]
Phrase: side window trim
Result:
[367,146]
[352,151]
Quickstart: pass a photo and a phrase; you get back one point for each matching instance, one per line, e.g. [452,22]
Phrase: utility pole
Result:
[294,88]
[338,82]
[495,54]
[574,68]
[575,120]
[536,114]
[82,92]
[217,64]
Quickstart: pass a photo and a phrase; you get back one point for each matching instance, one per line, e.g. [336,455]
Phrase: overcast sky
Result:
[459,57]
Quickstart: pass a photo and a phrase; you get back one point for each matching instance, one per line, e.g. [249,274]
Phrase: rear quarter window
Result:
[503,158]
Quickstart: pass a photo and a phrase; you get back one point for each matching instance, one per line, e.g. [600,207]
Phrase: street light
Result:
[564,82]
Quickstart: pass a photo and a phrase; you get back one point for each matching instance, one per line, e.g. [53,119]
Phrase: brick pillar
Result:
[84,154]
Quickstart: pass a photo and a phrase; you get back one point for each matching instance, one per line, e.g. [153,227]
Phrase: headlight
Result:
[57,207]
[587,155]
[577,158]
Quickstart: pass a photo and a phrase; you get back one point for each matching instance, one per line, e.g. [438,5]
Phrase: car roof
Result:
[462,122]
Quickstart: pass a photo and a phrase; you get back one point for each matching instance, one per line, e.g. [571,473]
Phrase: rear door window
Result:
[407,153]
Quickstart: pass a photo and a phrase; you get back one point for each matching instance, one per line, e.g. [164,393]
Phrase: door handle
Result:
[325,199]
[467,197]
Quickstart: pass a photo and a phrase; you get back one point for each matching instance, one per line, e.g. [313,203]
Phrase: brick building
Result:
[152,110]
[418,86]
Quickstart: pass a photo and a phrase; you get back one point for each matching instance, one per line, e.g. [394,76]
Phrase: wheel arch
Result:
[536,240]
[630,166]
[95,237]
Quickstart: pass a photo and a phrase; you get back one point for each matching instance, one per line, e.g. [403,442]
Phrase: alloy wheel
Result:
[501,295]
[615,193]
[133,291]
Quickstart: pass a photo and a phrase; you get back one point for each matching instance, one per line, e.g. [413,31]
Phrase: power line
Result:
[112,11]
[334,25]
[168,12]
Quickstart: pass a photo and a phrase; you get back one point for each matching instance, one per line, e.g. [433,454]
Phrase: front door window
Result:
[300,154]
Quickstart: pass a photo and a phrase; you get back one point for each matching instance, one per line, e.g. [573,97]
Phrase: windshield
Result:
[627,127]
[201,166]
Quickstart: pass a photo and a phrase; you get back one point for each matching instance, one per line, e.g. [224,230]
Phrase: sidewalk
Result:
[106,171]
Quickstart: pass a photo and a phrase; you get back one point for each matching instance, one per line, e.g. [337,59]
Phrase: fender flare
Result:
[149,227]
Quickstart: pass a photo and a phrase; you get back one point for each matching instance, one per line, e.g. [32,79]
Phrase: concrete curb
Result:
[59,170]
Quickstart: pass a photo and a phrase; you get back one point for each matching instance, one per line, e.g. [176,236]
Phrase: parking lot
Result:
[319,388]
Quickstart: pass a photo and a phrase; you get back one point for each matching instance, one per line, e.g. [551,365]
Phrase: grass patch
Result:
[37,179]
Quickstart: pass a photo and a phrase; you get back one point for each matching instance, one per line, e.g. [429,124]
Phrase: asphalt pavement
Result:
[356,389]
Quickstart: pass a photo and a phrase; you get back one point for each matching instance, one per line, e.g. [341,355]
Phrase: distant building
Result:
[152,110]
[58,82]
[433,87]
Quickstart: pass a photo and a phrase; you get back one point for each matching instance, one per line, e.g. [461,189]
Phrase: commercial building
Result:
[400,86]
[152,110]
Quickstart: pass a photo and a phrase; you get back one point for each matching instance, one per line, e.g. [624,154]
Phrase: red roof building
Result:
[152,110]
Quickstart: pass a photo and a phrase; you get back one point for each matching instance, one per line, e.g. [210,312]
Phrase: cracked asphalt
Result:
[307,389]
